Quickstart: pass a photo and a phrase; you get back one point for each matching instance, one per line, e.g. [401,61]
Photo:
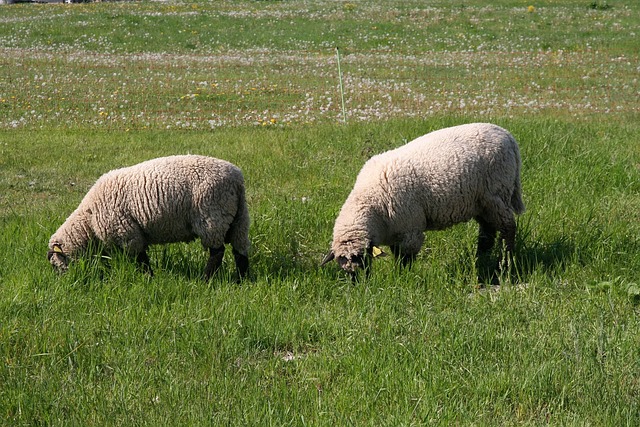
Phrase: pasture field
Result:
[86,88]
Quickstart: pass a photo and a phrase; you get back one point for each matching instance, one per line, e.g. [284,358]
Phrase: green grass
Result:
[203,65]
[300,344]
[557,343]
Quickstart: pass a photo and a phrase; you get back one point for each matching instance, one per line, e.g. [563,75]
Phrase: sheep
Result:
[163,200]
[443,178]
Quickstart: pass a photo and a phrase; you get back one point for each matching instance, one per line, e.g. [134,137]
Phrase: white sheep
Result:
[164,200]
[435,181]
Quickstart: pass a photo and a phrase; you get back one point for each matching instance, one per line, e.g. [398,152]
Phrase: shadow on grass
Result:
[99,264]
[283,264]
[188,263]
[546,257]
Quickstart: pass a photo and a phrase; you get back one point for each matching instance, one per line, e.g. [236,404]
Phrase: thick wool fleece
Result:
[440,179]
[164,200]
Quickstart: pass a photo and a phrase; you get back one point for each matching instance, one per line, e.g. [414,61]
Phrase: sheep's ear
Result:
[376,252]
[330,256]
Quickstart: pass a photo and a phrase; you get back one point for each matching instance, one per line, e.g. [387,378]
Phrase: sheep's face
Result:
[351,264]
[58,259]
[351,261]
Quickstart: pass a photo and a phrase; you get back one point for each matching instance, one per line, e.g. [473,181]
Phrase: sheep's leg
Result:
[406,259]
[497,217]
[143,260]
[508,234]
[242,264]
[133,244]
[408,248]
[214,263]
[486,241]
[486,238]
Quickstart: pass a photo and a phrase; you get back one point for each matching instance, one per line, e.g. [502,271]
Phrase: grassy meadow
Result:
[86,88]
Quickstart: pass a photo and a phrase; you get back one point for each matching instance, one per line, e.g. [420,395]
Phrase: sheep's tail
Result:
[238,234]
[516,197]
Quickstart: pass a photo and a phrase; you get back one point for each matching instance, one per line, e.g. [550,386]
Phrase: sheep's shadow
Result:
[99,262]
[283,264]
[188,263]
[529,257]
[539,256]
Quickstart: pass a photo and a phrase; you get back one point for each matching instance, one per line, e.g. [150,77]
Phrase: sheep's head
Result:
[352,260]
[58,259]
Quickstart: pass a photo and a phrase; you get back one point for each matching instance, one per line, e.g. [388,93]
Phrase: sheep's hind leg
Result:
[508,235]
[214,263]
[486,241]
[486,238]
[242,264]
[499,218]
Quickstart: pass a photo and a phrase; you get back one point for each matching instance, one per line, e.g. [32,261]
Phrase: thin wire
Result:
[344,112]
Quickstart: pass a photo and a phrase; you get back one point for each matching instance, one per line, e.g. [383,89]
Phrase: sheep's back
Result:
[163,198]
[443,176]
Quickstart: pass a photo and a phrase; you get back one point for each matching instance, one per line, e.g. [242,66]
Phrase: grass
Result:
[556,343]
[204,65]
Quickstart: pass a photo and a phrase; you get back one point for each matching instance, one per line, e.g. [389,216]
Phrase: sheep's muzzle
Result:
[58,259]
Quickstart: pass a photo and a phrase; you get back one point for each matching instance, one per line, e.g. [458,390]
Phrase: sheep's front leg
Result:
[143,261]
[408,248]
[132,243]
[214,263]
[405,258]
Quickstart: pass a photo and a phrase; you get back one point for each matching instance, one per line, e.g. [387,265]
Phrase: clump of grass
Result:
[599,5]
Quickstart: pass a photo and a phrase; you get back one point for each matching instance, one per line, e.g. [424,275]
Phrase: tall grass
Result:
[557,343]
[298,344]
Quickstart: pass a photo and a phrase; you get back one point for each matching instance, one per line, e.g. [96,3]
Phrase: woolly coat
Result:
[440,179]
[164,200]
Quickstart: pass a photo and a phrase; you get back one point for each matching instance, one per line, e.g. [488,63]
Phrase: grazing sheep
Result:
[164,200]
[440,179]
